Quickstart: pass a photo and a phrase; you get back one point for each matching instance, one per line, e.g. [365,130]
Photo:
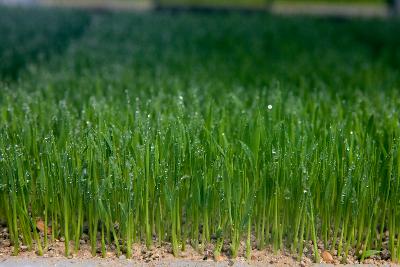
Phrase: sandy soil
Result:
[160,254]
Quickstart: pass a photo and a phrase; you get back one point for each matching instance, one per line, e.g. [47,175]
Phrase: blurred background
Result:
[32,36]
[313,7]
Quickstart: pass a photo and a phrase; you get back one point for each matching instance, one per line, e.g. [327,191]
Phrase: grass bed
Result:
[221,129]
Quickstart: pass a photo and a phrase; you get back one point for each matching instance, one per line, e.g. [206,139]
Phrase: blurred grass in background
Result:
[215,2]
[27,36]
[265,2]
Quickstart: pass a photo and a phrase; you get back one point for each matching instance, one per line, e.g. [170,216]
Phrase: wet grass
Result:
[199,129]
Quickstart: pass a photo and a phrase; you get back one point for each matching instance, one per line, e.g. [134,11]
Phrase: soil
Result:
[160,254]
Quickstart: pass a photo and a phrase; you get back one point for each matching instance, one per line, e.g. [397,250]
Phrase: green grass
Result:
[27,36]
[207,129]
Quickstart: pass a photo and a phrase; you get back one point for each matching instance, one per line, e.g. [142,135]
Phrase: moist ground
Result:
[162,253]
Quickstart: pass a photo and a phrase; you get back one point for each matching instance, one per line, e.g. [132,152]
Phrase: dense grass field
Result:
[246,131]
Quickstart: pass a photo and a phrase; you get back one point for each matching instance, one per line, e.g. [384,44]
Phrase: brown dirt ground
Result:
[163,252]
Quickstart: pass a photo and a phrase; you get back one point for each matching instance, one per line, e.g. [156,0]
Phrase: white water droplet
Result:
[269,107]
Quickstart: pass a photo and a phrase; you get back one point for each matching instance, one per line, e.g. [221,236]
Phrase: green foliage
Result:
[29,36]
[208,128]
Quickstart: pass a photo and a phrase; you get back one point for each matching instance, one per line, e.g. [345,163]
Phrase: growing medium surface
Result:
[225,129]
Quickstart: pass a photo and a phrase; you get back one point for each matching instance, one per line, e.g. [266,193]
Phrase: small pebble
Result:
[327,257]
[6,243]
[368,261]
[385,254]
[122,257]
[218,258]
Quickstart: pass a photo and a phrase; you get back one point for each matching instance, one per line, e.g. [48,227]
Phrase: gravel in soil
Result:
[163,254]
